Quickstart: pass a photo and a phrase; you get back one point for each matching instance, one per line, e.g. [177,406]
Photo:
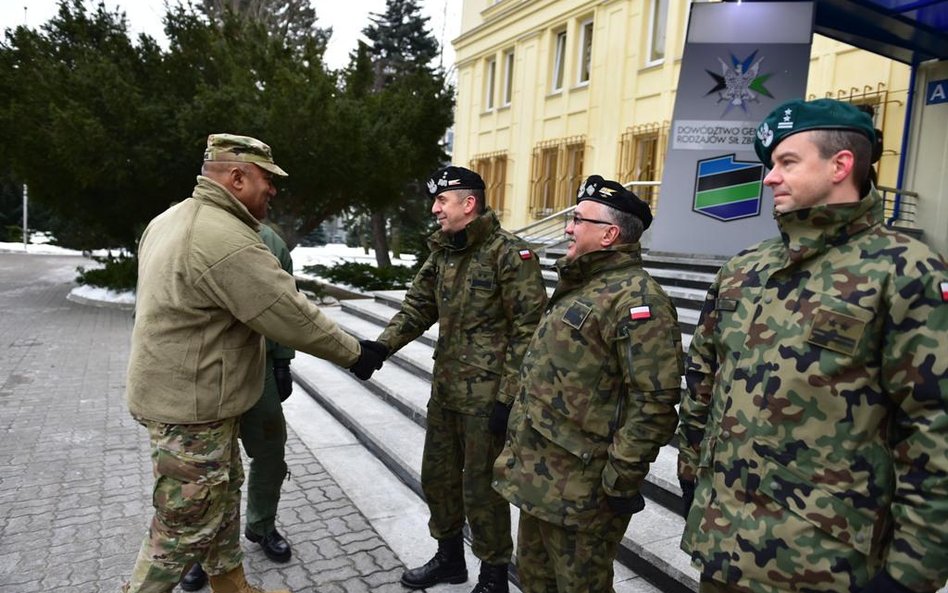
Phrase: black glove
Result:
[884,583]
[370,360]
[622,505]
[497,423]
[281,374]
[687,496]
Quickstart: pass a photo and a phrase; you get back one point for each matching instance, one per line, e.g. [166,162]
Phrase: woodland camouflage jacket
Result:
[816,425]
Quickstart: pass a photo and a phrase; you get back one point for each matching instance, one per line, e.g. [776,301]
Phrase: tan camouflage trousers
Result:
[553,559]
[456,473]
[198,474]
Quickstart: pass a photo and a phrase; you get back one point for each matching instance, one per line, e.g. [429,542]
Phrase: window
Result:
[656,43]
[492,167]
[490,73]
[585,52]
[641,154]
[508,77]
[557,172]
[559,61]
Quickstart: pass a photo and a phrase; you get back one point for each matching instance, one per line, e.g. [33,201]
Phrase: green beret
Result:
[612,194]
[241,149]
[798,116]
[451,178]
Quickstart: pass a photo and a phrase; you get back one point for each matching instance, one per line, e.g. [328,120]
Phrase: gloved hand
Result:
[370,360]
[687,496]
[622,505]
[497,423]
[281,374]
[884,583]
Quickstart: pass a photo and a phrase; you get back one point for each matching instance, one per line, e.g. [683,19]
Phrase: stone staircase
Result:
[387,416]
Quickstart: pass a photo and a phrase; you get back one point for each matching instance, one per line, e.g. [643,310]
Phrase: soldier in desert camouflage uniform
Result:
[598,390]
[483,287]
[815,438]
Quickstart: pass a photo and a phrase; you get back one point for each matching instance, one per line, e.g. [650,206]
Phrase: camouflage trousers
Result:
[456,473]
[263,435]
[196,496]
[554,559]
[709,585]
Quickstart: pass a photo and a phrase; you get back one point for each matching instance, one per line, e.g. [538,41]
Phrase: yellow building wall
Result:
[623,90]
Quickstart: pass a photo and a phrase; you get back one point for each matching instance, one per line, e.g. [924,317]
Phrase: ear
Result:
[470,204]
[610,237]
[843,162]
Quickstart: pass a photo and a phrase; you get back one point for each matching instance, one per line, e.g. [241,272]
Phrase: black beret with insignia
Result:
[799,116]
[612,194]
[451,178]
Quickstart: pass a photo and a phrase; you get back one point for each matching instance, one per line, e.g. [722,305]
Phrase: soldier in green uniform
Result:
[483,287]
[263,434]
[814,440]
[598,390]
[208,291]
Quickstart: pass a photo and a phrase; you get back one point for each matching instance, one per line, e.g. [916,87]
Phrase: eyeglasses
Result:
[577,219]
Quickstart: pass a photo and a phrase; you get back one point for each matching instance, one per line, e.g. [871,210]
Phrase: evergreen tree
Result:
[291,20]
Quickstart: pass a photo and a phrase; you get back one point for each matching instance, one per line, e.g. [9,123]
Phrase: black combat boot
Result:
[493,579]
[447,566]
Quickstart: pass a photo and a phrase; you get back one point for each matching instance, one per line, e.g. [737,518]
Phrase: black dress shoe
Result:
[274,545]
[195,578]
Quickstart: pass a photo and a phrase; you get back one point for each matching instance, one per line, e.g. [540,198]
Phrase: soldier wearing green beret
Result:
[483,287]
[814,440]
[598,390]
[208,291]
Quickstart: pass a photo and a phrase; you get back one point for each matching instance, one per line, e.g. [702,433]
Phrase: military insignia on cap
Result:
[944,292]
[607,192]
[643,312]
[787,123]
[432,186]
[765,134]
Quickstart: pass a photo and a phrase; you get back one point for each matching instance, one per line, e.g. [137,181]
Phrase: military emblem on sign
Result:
[727,189]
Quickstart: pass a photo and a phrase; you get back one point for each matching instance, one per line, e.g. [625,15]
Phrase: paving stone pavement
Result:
[76,480]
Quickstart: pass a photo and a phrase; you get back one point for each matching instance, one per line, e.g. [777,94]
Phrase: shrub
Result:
[364,276]
[119,273]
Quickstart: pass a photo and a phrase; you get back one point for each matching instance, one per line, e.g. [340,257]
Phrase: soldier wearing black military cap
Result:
[482,285]
[598,390]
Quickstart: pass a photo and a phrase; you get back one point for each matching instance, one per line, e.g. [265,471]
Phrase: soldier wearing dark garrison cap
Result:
[598,391]
[482,285]
[815,429]
[208,292]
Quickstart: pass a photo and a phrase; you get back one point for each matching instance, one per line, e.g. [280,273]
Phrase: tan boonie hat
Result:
[242,149]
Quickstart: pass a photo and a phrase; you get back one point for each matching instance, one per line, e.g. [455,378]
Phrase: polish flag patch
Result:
[525,254]
[944,292]
[642,312]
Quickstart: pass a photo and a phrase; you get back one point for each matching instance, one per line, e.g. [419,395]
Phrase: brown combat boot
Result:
[235,582]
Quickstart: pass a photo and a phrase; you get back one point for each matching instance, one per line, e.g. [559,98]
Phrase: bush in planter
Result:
[119,273]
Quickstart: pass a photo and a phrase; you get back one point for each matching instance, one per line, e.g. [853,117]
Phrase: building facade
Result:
[549,91]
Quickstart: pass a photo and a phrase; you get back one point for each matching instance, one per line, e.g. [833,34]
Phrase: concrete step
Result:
[396,440]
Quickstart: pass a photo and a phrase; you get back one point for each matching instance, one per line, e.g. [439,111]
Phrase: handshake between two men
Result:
[370,359]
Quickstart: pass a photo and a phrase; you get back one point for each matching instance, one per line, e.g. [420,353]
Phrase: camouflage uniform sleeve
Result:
[699,376]
[650,359]
[419,308]
[523,297]
[915,376]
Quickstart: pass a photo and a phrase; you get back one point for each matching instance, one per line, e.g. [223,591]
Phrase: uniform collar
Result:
[809,232]
[209,191]
[590,264]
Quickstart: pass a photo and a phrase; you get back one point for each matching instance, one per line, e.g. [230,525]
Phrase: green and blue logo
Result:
[727,189]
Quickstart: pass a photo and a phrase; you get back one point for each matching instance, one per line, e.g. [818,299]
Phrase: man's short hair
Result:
[480,200]
[630,225]
[829,142]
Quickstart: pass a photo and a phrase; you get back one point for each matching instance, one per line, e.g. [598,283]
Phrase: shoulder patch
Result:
[944,291]
[642,312]
[525,254]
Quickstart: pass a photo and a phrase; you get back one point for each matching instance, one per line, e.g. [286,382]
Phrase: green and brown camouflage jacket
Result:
[599,386]
[487,297]
[816,424]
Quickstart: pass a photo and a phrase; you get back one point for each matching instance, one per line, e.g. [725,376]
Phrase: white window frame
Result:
[559,61]
[490,77]
[657,32]
[508,78]
[584,57]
